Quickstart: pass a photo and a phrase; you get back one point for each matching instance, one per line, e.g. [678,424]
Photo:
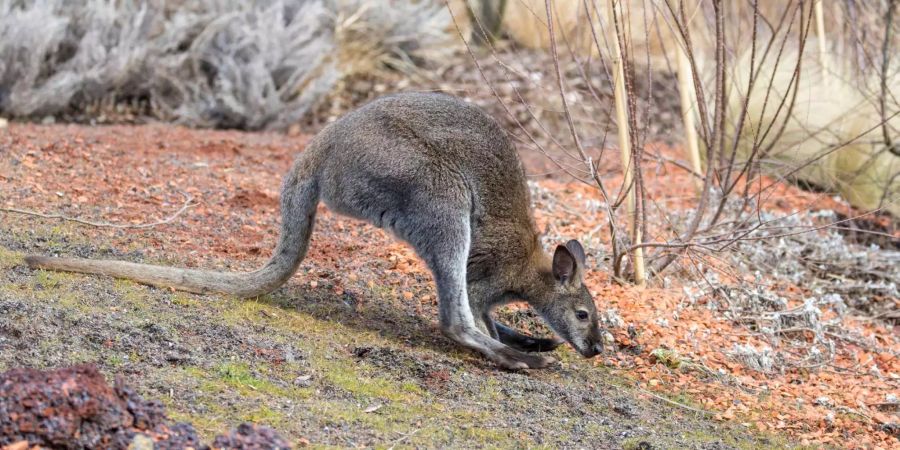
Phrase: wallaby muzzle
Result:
[593,349]
[593,344]
[588,346]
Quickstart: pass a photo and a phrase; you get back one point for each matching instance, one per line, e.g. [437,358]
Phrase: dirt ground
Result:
[347,353]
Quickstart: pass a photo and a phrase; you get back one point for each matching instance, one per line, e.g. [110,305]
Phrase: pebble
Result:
[141,442]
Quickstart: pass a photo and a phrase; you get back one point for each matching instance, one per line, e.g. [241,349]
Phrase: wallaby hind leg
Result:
[487,324]
[443,242]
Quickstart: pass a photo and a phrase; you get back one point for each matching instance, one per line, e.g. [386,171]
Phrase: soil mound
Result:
[75,408]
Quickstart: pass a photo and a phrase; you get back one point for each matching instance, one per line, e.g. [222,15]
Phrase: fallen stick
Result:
[188,203]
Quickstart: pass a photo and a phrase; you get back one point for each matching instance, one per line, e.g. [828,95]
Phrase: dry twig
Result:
[188,203]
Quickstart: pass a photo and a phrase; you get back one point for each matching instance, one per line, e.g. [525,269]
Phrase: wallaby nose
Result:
[597,348]
[592,350]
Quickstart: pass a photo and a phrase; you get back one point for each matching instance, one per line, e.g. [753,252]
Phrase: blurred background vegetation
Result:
[826,119]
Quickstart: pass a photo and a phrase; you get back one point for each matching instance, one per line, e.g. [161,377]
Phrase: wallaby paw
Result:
[511,364]
[516,360]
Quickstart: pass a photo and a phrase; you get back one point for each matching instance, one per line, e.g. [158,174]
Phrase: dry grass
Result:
[832,138]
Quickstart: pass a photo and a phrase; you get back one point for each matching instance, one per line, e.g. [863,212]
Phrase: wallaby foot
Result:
[523,342]
[501,354]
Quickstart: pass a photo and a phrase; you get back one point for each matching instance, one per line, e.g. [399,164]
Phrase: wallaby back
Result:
[406,154]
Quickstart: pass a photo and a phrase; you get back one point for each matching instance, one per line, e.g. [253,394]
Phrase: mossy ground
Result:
[330,369]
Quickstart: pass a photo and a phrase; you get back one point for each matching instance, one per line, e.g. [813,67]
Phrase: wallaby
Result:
[443,176]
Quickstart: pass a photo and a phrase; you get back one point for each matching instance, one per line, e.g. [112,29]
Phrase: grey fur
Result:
[443,176]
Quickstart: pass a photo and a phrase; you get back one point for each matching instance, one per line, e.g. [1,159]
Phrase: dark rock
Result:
[251,437]
[67,408]
[74,408]
[625,409]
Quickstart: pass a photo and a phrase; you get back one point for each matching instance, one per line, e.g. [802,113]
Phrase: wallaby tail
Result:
[299,198]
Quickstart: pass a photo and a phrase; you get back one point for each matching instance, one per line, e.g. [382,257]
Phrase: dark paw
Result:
[515,360]
[537,345]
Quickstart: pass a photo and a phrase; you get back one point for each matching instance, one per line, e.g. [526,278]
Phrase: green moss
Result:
[491,390]
[495,437]
[347,375]
[59,288]
[596,429]
[115,361]
[45,279]
[262,311]
[263,415]
[133,294]
[727,435]
[685,399]
[10,259]
[381,292]
[239,378]
[83,356]
[390,419]
[273,312]
[186,300]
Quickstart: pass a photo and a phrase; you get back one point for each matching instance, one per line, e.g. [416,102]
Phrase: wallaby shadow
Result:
[390,318]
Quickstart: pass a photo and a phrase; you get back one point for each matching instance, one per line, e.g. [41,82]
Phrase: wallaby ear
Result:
[564,264]
[577,251]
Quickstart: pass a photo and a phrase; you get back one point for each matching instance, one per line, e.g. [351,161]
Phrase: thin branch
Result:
[188,203]
[674,403]
[885,63]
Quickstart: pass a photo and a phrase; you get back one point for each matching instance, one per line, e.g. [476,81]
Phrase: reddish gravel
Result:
[128,174]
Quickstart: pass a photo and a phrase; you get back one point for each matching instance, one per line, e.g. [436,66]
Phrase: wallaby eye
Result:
[582,314]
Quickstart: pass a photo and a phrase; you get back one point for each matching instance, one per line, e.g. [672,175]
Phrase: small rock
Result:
[608,338]
[178,358]
[303,381]
[248,436]
[373,407]
[141,442]
[48,120]
[625,410]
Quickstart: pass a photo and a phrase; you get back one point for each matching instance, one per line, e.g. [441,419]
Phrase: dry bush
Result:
[55,53]
[226,63]
[832,137]
[764,113]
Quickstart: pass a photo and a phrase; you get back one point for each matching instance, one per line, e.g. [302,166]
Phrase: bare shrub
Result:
[765,115]
[228,63]
[56,53]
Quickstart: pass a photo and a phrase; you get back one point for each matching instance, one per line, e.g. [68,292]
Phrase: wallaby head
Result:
[567,306]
